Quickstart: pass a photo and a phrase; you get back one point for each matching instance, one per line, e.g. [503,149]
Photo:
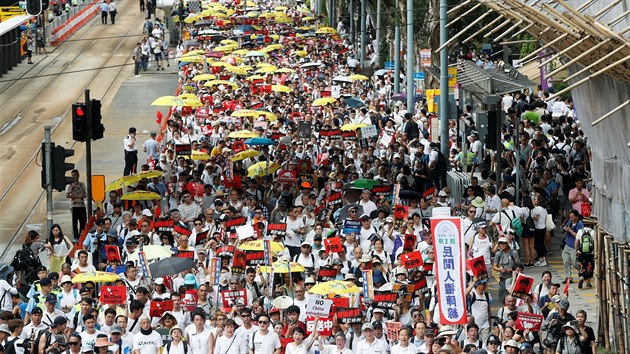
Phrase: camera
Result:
[442,340]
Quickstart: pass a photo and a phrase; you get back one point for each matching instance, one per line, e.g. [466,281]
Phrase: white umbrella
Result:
[343,79]
[310,65]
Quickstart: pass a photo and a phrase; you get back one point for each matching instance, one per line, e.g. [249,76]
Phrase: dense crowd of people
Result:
[282,176]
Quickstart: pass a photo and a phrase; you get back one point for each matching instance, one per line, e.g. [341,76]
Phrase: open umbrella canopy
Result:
[191,100]
[283,267]
[310,65]
[285,71]
[262,169]
[358,77]
[121,183]
[96,277]
[343,79]
[266,69]
[221,83]
[168,101]
[354,102]
[326,30]
[148,174]
[245,113]
[170,266]
[242,134]
[254,54]
[199,155]
[281,88]
[336,287]
[259,245]
[255,77]
[204,77]
[365,183]
[323,101]
[141,195]
[259,141]
[268,115]
[237,70]
[195,58]
[353,126]
[246,154]
[152,252]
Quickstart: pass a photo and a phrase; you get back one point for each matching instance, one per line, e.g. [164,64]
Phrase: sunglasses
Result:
[74,343]
[198,224]
[263,322]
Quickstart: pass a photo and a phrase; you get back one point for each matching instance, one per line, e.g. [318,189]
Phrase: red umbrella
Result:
[214,54]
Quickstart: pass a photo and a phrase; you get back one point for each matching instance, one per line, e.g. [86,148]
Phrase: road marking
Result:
[10,124]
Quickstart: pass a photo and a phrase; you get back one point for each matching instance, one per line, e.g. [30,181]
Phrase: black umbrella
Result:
[170,266]
[409,194]
[342,214]
[191,43]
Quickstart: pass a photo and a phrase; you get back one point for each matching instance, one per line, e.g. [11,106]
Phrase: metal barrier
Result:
[60,20]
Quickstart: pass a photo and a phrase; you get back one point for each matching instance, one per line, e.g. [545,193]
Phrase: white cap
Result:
[396,155]
[65,279]
[147,212]
[159,281]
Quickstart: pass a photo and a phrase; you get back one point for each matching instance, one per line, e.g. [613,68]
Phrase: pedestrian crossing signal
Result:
[34,7]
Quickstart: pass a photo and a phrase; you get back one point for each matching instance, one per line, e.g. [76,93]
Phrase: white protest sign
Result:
[245,231]
[441,212]
[369,131]
[318,307]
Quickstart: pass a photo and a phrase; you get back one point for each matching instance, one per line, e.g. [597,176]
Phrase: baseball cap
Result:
[45,282]
[116,328]
[59,320]
[503,239]
[377,324]
[65,279]
[367,326]
[51,299]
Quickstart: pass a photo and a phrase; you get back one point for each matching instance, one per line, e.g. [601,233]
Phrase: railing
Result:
[60,20]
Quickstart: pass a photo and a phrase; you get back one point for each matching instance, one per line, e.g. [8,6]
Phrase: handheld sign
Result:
[478,267]
[529,321]
[412,259]
[159,307]
[113,294]
[318,307]
[333,245]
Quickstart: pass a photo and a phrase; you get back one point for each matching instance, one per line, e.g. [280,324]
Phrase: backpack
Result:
[39,336]
[530,227]
[473,299]
[515,223]
[586,241]
[168,347]
[9,347]
[26,261]
[441,164]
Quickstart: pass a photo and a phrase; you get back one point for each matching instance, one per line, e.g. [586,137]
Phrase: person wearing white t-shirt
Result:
[88,337]
[198,335]
[295,232]
[263,341]
[368,205]
[230,342]
[371,344]
[147,341]
[403,346]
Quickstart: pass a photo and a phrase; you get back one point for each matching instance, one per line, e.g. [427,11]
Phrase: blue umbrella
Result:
[259,141]
[382,72]
[354,102]
[244,29]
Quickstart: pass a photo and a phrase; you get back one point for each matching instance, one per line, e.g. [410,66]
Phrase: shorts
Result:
[158,56]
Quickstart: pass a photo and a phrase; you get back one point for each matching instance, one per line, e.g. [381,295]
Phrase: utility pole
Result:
[363,33]
[444,78]
[48,176]
[377,50]
[410,89]
[397,51]
[350,20]
[88,152]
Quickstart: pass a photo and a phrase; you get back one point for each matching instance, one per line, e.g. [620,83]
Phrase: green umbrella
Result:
[365,183]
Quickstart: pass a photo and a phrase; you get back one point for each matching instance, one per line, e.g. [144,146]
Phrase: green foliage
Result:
[385,52]
[602,350]
[527,48]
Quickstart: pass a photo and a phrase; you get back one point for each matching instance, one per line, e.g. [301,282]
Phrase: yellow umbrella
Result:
[353,126]
[191,101]
[220,15]
[168,101]
[301,53]
[358,77]
[281,8]
[268,115]
[204,77]
[148,174]
[225,48]
[245,113]
[219,63]
[326,30]
[237,70]
[96,277]
[285,71]
[259,245]
[281,88]
[245,155]
[323,101]
[199,155]
[255,77]
[308,18]
[266,69]
[263,168]
[195,52]
[336,287]
[191,58]
[243,134]
[141,195]
[250,4]
[266,15]
[152,252]
[228,41]
[121,182]
[283,267]
[242,51]
[220,82]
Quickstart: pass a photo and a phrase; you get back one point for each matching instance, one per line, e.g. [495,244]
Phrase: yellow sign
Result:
[452,78]
[432,100]
[98,188]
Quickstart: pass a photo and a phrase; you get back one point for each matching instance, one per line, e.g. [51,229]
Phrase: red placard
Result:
[326,274]
[324,326]
[113,254]
[529,321]
[382,190]
[478,267]
[333,245]
[226,251]
[163,225]
[181,230]
[401,212]
[159,307]
[287,176]
[253,258]
[334,198]
[233,297]
[410,243]
[392,330]
[339,302]
[113,294]
[277,229]
[233,223]
[349,315]
[522,286]
[189,301]
[412,259]
[186,254]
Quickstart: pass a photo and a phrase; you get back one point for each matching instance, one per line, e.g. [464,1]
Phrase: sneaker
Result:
[538,264]
[580,283]
[589,285]
[137,76]
[162,68]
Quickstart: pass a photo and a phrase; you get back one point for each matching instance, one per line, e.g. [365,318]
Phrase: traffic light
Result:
[45,4]
[44,163]
[97,127]
[34,7]
[79,122]
[60,166]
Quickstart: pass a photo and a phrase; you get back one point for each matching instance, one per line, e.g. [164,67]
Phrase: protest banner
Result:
[327,274]
[277,230]
[392,330]
[189,301]
[232,224]
[401,212]
[349,315]
[450,269]
[522,286]
[254,258]
[267,253]
[200,238]
[403,291]
[158,308]
[215,270]
[339,301]
[351,226]
[163,225]
[410,242]
[382,190]
[529,321]
[181,229]
[333,245]
[113,255]
[226,251]
[324,326]
[186,254]
[245,231]
[233,297]
[113,294]
[368,283]
[318,307]
[183,149]
[385,299]
[411,260]
[478,267]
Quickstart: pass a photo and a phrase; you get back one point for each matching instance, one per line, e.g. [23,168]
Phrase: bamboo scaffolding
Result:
[496,29]
[605,10]
[460,33]
[512,28]
[601,60]
[483,29]
[618,19]
[519,42]
[576,59]
[522,30]
[607,115]
[456,8]
[557,55]
[459,17]
[535,53]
